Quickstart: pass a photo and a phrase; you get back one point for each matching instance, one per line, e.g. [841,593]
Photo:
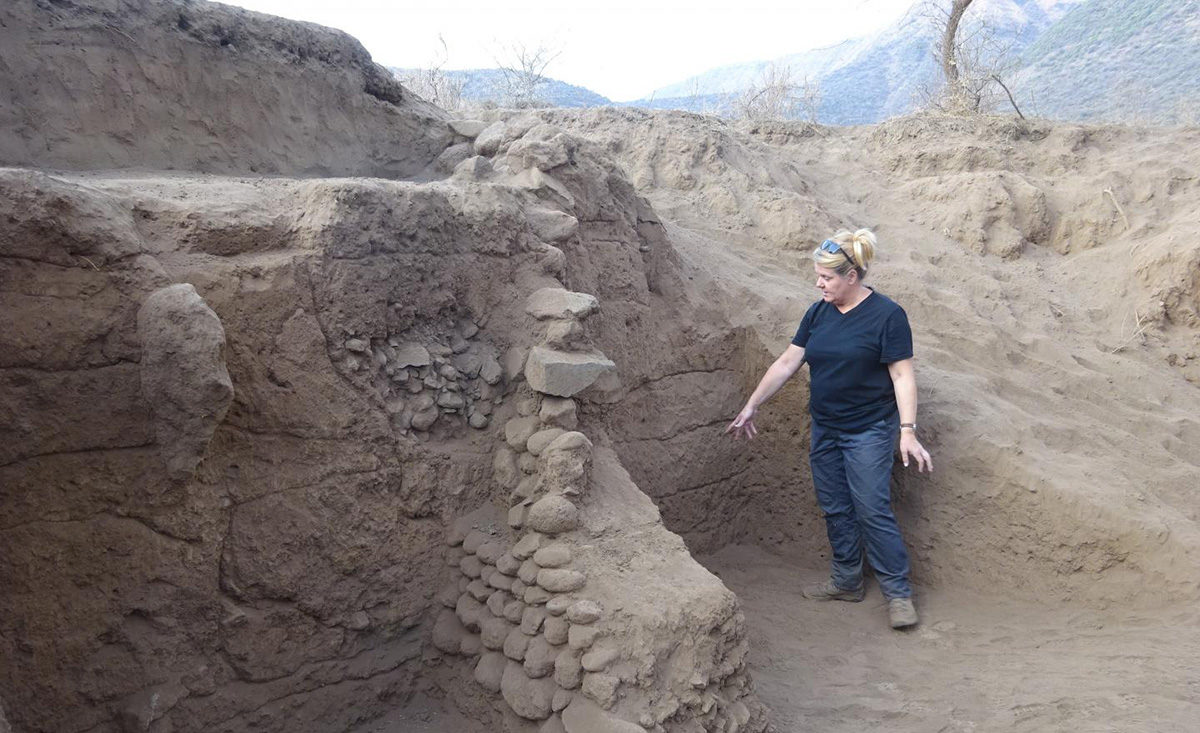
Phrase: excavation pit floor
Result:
[975,663]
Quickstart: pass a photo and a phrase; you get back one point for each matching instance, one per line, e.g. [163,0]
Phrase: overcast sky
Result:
[622,50]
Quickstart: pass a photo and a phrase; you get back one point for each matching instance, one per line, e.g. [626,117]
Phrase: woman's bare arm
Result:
[788,363]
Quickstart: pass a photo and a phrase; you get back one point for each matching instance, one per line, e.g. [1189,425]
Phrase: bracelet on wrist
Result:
[908,426]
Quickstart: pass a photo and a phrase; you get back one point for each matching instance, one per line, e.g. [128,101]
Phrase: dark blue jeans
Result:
[852,474]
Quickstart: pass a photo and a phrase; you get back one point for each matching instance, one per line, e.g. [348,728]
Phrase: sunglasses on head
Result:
[834,248]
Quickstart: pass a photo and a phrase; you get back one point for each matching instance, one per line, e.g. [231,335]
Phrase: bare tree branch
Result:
[435,85]
[1010,96]
[523,72]
[776,96]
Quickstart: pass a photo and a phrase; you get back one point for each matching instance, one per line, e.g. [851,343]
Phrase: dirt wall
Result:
[204,87]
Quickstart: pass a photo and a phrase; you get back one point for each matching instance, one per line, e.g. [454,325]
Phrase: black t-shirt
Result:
[847,356]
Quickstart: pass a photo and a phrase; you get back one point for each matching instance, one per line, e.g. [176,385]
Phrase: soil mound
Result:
[201,86]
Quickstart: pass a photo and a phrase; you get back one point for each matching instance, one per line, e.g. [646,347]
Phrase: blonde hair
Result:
[859,245]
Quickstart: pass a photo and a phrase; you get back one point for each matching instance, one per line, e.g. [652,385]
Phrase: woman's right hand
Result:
[743,424]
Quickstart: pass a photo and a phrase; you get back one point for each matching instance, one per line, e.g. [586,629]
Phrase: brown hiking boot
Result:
[902,613]
[827,591]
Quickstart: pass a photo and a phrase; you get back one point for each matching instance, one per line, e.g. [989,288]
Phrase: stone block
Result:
[536,596]
[518,430]
[584,716]
[469,611]
[559,412]
[531,620]
[470,566]
[529,698]
[412,354]
[526,546]
[601,687]
[473,540]
[517,515]
[497,601]
[183,376]
[493,632]
[515,644]
[584,612]
[489,670]
[539,657]
[542,438]
[555,628]
[468,128]
[561,580]
[490,551]
[565,373]
[547,303]
[598,658]
[508,564]
[528,572]
[565,465]
[448,632]
[479,590]
[553,556]
[581,637]
[568,669]
[553,514]
[513,611]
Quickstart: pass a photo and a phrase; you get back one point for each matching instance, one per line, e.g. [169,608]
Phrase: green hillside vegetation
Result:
[1117,60]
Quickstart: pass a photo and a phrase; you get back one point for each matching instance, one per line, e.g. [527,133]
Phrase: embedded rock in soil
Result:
[449,632]
[550,225]
[539,657]
[494,631]
[568,668]
[489,670]
[563,373]
[559,412]
[184,379]
[518,430]
[526,547]
[559,303]
[555,629]
[584,612]
[561,580]
[412,355]
[553,556]
[565,464]
[583,716]
[542,438]
[529,698]
[467,128]
[552,514]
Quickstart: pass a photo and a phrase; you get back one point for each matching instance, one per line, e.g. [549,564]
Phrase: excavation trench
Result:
[424,430]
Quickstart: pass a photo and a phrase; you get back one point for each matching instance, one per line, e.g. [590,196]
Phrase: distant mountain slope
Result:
[487,85]
[868,79]
[1130,60]
[1098,60]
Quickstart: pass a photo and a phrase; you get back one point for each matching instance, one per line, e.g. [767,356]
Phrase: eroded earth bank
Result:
[327,412]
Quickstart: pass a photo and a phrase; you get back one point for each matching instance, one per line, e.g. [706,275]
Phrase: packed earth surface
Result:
[326,410]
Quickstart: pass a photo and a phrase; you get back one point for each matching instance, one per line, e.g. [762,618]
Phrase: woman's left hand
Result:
[910,446]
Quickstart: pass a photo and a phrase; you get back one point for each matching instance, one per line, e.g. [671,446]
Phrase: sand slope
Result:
[1053,341]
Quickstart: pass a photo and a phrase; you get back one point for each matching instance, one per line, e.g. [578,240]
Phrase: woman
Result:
[858,346]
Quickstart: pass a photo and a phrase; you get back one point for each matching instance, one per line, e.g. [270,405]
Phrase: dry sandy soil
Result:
[240,490]
[980,661]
